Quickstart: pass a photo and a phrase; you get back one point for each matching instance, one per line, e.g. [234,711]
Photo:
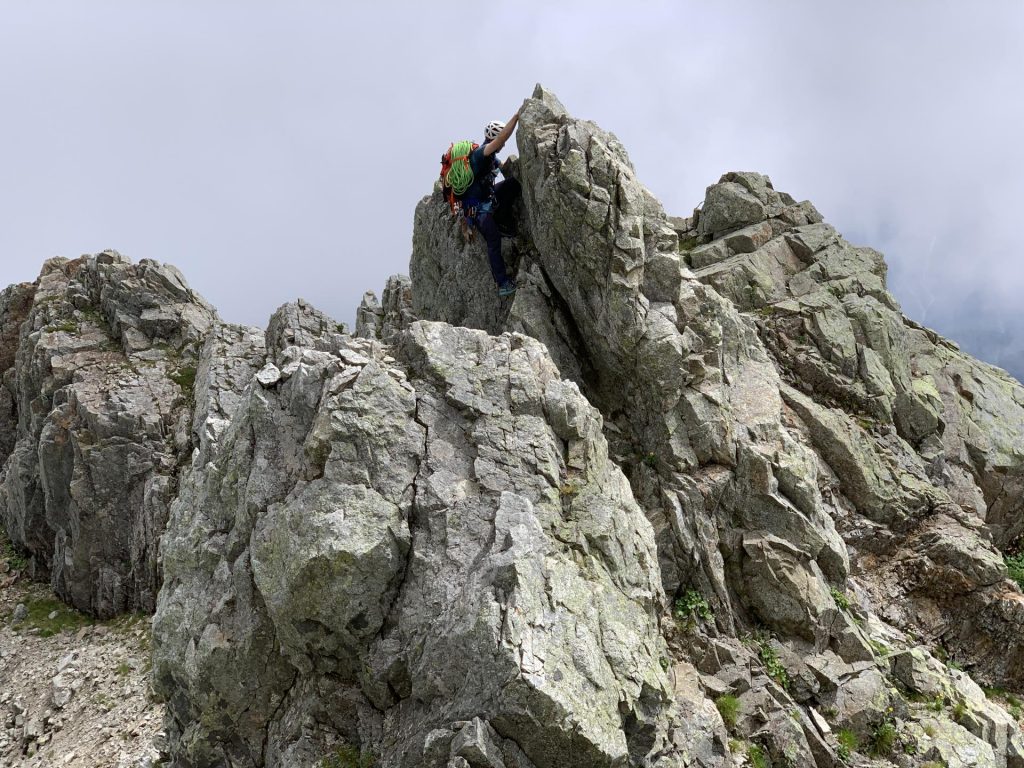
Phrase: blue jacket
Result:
[485,171]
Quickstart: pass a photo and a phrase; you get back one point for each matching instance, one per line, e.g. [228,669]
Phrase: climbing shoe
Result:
[507,288]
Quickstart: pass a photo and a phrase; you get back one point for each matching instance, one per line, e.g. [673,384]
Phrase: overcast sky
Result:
[273,150]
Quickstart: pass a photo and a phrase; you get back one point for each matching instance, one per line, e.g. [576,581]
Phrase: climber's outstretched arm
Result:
[495,144]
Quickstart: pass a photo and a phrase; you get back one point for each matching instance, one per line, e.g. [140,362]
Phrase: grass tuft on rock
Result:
[185,378]
[1015,567]
[769,657]
[756,757]
[728,707]
[841,600]
[848,744]
[883,739]
[15,559]
[347,756]
[67,326]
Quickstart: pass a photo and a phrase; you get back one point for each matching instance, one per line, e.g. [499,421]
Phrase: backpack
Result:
[456,172]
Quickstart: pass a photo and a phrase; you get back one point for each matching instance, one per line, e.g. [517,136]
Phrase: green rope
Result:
[460,175]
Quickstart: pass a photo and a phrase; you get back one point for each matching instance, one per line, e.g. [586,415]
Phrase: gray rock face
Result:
[230,357]
[382,321]
[438,534]
[919,429]
[218,549]
[533,612]
[369,317]
[697,490]
[763,393]
[15,304]
[741,200]
[447,259]
[103,378]
[691,392]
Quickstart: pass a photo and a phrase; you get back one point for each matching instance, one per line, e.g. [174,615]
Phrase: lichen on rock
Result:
[698,493]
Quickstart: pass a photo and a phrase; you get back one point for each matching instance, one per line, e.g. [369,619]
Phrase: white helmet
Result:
[493,129]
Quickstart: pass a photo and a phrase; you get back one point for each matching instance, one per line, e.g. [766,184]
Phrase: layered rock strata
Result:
[925,442]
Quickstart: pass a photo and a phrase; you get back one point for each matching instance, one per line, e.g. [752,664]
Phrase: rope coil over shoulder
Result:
[460,175]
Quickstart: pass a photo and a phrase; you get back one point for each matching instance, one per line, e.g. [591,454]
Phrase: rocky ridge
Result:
[100,387]
[812,461]
[697,495]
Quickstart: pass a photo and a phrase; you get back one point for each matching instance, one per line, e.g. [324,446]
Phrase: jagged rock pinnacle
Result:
[699,490]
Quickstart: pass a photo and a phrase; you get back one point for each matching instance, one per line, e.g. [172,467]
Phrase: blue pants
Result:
[505,193]
[489,229]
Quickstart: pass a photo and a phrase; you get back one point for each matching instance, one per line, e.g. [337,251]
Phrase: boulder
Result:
[437,527]
[728,206]
[949,744]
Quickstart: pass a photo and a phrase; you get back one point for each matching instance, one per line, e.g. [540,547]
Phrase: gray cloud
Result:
[275,151]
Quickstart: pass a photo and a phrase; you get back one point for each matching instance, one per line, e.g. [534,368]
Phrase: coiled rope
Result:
[460,175]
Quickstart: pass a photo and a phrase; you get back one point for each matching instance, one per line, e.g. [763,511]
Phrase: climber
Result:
[487,205]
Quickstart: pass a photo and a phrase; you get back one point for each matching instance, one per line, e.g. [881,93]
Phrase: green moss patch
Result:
[185,378]
[346,756]
[15,559]
[48,616]
[68,326]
